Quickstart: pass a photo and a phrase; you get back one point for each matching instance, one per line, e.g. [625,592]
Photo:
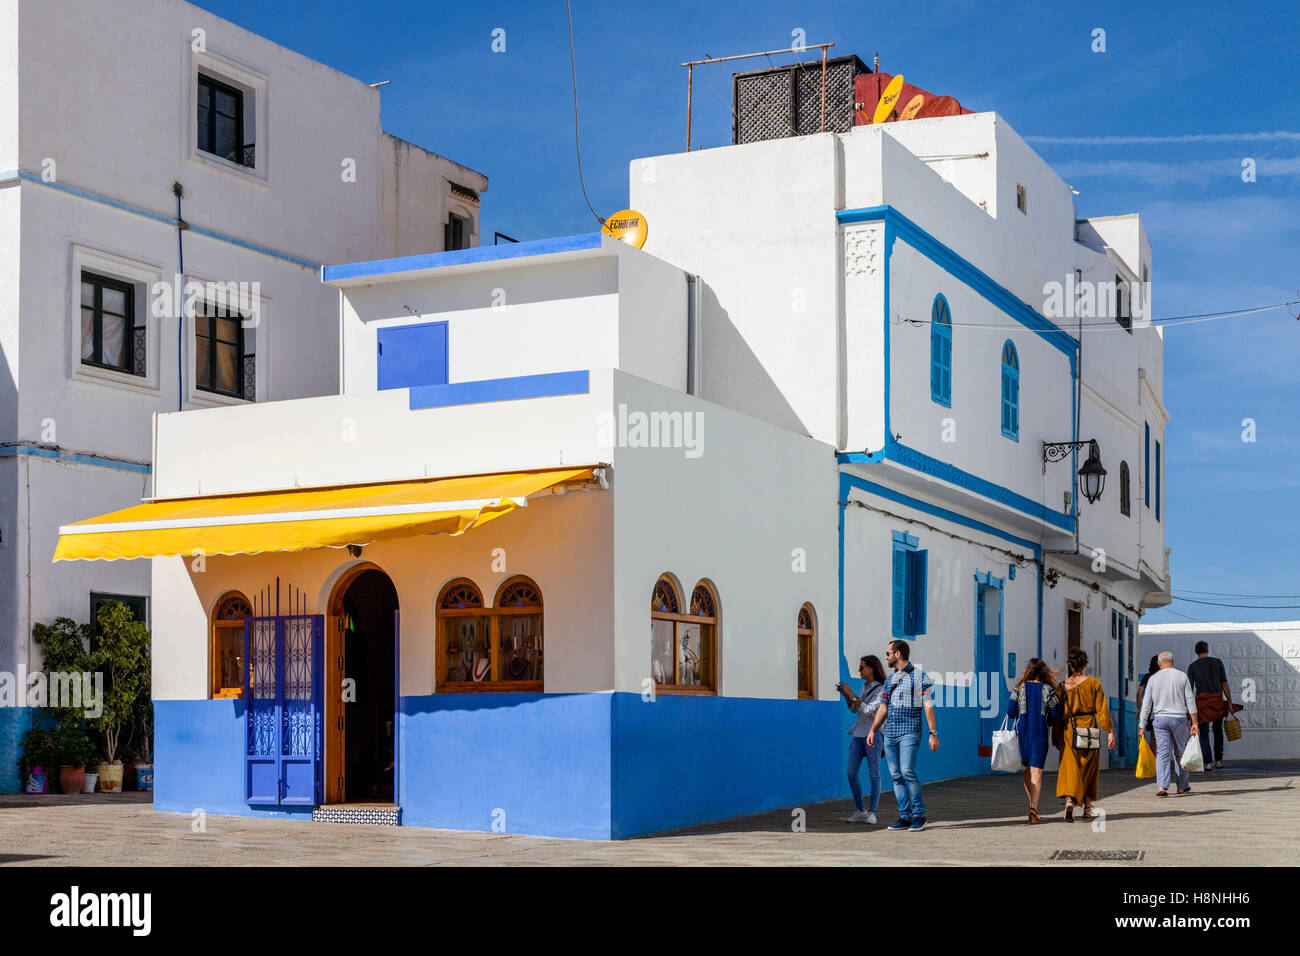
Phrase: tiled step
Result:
[348,813]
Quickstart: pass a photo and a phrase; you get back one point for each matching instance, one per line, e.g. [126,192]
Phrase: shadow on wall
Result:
[733,376]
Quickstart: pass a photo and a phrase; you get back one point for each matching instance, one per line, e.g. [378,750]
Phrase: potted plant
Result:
[121,653]
[74,752]
[40,756]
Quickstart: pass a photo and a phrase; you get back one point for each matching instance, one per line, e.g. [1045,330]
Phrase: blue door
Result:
[988,662]
[411,355]
[282,686]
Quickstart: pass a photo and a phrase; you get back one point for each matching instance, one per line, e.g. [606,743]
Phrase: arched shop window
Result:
[518,614]
[683,645]
[807,657]
[227,645]
[496,648]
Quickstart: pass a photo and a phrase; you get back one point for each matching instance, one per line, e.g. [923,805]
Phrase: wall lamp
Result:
[1092,475]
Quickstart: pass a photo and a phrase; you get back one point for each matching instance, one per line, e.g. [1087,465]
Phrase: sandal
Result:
[1033,815]
[1162,793]
[1069,813]
[1088,814]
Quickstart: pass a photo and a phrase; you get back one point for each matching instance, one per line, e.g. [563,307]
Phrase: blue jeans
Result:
[1171,738]
[858,749]
[900,753]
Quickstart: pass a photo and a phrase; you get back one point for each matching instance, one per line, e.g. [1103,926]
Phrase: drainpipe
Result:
[181,226]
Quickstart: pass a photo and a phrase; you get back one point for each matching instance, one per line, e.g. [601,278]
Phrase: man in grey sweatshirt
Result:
[1169,701]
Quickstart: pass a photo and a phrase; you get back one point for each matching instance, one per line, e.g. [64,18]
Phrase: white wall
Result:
[740,515]
[1263,662]
[563,543]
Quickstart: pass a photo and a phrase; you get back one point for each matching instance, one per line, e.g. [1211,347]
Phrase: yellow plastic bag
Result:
[1146,760]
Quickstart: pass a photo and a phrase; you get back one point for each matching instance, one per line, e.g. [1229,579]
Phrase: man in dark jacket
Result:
[1213,701]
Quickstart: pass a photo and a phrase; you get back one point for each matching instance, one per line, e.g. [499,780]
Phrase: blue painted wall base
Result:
[585,766]
[14,722]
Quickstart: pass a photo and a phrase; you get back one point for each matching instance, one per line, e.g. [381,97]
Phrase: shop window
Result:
[497,648]
[683,654]
[227,665]
[807,652]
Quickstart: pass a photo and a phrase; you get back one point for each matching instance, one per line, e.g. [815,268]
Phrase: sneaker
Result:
[871,819]
[1209,768]
[1218,765]
[857,815]
[902,823]
[918,824]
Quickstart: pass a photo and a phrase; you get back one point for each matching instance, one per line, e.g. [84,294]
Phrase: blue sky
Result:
[1195,76]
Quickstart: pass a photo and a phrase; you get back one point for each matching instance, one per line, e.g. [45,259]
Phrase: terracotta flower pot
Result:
[71,779]
[110,777]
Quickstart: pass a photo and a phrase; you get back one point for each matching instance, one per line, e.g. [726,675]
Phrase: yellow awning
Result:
[298,520]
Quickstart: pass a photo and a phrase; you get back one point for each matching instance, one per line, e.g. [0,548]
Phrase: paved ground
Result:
[1248,814]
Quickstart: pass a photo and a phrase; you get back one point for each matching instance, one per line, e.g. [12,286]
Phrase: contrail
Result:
[1184,138]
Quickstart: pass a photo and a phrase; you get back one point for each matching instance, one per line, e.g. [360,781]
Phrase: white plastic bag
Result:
[1192,759]
[1006,750]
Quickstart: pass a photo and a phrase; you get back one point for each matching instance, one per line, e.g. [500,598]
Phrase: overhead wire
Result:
[573,67]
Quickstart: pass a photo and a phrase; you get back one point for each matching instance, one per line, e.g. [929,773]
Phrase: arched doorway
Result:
[361,693]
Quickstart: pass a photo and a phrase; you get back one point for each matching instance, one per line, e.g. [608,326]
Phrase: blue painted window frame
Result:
[910,573]
[1010,391]
[941,352]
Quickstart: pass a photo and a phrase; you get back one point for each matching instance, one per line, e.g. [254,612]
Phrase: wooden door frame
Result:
[335,756]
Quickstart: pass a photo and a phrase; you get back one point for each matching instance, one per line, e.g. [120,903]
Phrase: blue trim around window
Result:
[1010,391]
[941,352]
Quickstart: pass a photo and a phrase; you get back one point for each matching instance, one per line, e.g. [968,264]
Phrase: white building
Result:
[283,166]
[810,415]
[1263,665]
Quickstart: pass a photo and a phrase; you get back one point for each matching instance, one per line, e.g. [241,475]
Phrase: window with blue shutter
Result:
[411,355]
[1157,480]
[900,591]
[1146,465]
[909,586]
[916,581]
[941,352]
[1010,392]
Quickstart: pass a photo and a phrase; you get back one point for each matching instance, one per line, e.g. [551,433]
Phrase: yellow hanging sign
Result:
[628,226]
[888,99]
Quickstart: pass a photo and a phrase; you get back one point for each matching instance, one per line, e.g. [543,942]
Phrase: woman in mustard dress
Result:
[1085,706]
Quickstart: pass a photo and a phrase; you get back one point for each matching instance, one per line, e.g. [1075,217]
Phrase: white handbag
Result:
[1006,750]
[1192,759]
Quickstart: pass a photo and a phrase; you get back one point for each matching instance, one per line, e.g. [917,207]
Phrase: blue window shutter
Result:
[1146,465]
[412,355]
[900,591]
[1157,480]
[917,562]
[940,352]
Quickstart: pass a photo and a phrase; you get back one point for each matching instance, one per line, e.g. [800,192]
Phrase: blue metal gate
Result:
[282,685]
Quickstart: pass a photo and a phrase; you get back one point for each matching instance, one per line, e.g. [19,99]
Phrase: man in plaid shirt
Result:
[906,697]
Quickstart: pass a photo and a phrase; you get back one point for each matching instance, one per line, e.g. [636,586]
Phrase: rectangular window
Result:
[109,336]
[1022,198]
[1123,315]
[1146,464]
[1157,480]
[136,605]
[221,122]
[222,363]
[455,233]
[909,587]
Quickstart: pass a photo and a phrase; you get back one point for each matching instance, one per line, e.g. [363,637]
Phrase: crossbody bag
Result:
[1083,738]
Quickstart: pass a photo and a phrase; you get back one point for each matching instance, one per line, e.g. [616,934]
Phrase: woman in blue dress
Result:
[1035,705]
